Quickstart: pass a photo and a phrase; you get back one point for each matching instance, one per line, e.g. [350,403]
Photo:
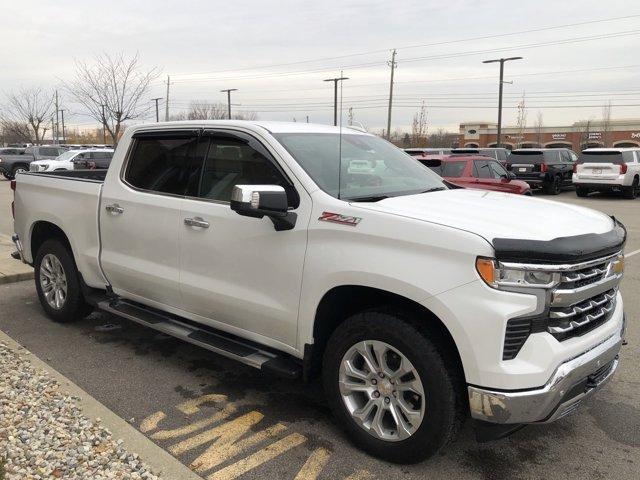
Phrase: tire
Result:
[55,265]
[18,169]
[443,403]
[8,176]
[582,191]
[554,187]
[631,191]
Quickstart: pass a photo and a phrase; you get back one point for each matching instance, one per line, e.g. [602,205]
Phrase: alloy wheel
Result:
[382,390]
[53,281]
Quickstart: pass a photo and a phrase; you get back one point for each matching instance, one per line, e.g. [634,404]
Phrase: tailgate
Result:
[68,203]
[598,171]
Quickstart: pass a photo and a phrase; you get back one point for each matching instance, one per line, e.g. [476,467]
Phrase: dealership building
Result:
[580,135]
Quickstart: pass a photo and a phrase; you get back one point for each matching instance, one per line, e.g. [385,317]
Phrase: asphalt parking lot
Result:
[229,421]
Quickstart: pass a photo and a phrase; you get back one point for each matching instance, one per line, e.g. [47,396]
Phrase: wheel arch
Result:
[43,230]
[340,302]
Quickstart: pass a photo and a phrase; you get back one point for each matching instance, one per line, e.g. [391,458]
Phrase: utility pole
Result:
[104,126]
[166,106]
[56,141]
[229,90]
[64,134]
[335,96]
[157,111]
[393,65]
[501,61]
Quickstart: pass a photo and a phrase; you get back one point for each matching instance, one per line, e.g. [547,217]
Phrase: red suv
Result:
[475,171]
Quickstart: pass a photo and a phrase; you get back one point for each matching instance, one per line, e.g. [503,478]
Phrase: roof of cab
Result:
[270,126]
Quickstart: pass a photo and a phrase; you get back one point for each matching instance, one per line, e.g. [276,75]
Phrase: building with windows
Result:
[580,135]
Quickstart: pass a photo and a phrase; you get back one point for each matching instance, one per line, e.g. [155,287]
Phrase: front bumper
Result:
[571,383]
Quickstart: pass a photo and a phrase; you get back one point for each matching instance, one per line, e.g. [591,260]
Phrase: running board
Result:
[216,341]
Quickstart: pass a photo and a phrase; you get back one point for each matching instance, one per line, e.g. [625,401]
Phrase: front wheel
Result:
[58,284]
[18,169]
[390,388]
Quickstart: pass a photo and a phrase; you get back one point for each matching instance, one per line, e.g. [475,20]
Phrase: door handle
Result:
[114,209]
[196,222]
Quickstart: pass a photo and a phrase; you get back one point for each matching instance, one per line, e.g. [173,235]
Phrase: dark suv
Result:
[546,168]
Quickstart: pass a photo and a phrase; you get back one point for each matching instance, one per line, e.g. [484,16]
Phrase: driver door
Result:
[238,273]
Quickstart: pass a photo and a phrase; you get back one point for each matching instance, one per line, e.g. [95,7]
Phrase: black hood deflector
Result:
[574,249]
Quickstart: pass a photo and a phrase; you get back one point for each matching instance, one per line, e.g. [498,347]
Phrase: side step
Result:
[216,341]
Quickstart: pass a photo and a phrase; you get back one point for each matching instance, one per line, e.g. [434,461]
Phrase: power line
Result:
[423,45]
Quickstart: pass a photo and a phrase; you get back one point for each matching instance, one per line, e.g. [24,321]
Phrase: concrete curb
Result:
[160,461]
[15,277]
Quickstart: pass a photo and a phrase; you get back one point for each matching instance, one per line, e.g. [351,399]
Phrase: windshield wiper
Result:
[370,198]
[434,189]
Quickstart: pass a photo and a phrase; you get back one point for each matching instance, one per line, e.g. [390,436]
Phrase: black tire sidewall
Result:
[74,306]
[440,402]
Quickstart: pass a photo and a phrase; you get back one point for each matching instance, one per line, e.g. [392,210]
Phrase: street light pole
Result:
[229,90]
[335,96]
[501,61]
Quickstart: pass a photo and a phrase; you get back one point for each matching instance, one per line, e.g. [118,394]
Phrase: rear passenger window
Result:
[232,162]
[160,164]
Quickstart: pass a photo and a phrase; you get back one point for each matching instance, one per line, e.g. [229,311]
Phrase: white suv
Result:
[608,169]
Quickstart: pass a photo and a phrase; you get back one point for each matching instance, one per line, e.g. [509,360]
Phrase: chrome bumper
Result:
[572,382]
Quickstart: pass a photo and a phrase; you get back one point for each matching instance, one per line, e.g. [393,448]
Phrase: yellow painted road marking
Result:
[314,464]
[151,422]
[193,406]
[194,427]
[252,461]
[360,475]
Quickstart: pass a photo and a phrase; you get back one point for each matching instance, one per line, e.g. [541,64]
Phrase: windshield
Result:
[370,166]
[66,155]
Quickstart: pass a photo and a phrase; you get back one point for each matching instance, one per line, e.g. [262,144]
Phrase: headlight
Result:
[500,277]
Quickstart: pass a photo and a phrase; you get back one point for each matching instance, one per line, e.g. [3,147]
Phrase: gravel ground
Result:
[43,433]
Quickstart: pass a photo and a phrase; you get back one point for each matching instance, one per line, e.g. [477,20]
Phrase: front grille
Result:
[34,168]
[583,300]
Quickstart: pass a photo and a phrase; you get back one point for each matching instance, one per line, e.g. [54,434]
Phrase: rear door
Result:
[599,165]
[239,273]
[488,179]
[140,219]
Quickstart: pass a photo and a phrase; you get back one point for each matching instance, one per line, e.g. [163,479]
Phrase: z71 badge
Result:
[341,219]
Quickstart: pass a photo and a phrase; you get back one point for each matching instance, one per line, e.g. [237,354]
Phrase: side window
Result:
[160,163]
[231,161]
[498,170]
[30,151]
[481,169]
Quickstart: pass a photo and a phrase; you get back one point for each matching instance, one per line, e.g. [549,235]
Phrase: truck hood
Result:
[497,215]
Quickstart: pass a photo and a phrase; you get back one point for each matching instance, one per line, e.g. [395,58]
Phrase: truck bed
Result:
[69,200]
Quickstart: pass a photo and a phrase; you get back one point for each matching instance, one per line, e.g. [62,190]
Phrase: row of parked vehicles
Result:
[546,169]
[49,158]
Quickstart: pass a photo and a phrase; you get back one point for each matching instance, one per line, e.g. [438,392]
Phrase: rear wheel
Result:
[554,187]
[58,284]
[631,191]
[390,389]
[582,191]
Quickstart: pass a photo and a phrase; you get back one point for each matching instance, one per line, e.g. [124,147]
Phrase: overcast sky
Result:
[206,46]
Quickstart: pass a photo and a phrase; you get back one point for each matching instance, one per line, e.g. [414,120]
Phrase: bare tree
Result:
[27,113]
[203,110]
[441,138]
[521,122]
[539,128]
[419,127]
[113,89]
[606,124]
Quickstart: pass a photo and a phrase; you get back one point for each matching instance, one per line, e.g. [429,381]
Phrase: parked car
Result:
[94,159]
[11,165]
[60,163]
[499,154]
[418,304]
[474,171]
[547,168]
[608,169]
[417,152]
[11,151]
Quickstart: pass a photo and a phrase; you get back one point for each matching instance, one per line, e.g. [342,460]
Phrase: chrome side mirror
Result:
[260,201]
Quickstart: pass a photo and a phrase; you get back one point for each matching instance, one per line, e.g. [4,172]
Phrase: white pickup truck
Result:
[419,304]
